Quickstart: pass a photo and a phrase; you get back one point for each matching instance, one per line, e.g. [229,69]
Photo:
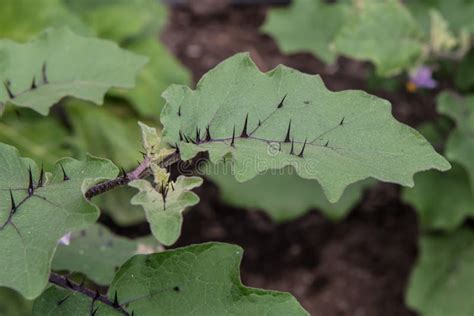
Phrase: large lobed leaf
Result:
[442,282]
[31,226]
[285,117]
[38,74]
[195,280]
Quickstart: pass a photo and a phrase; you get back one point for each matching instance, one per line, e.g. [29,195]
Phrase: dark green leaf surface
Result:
[347,136]
[59,302]
[195,280]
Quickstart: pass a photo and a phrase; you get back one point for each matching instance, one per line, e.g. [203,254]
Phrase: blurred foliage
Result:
[291,30]
[442,282]
[396,36]
[460,144]
[442,200]
[13,304]
[98,253]
[282,193]
[464,78]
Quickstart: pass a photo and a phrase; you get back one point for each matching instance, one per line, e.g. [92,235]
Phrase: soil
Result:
[359,266]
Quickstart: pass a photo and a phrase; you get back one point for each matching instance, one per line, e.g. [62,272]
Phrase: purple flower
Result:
[65,240]
[422,77]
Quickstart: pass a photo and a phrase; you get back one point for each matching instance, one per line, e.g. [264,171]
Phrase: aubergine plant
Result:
[251,122]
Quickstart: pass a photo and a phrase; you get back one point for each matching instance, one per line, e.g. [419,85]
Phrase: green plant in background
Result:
[418,31]
[277,120]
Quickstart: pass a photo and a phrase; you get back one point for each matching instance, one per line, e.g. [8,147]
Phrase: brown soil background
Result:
[357,267]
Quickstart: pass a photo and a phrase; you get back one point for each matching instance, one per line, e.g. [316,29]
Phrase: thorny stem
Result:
[65,283]
[137,173]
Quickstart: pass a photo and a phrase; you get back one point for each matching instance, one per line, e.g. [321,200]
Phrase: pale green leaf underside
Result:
[282,193]
[315,33]
[442,200]
[383,32]
[195,280]
[71,303]
[349,135]
[165,216]
[63,64]
[460,144]
[28,237]
[97,253]
[442,282]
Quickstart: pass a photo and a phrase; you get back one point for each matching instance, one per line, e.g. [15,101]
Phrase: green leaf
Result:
[282,194]
[84,68]
[97,253]
[195,280]
[165,215]
[442,200]
[43,139]
[383,32]
[29,235]
[55,301]
[108,131]
[349,135]
[116,204]
[13,304]
[162,70]
[20,19]
[307,25]
[464,79]
[460,144]
[121,20]
[442,282]
[200,280]
[135,25]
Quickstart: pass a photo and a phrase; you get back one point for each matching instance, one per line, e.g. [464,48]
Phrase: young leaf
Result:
[442,281]
[38,74]
[336,138]
[199,279]
[315,33]
[164,209]
[282,194]
[97,253]
[442,200]
[59,302]
[460,145]
[377,29]
[37,209]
